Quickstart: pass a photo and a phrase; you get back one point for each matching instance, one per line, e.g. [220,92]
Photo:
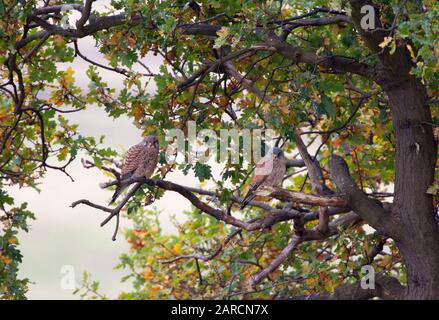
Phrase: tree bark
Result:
[416,153]
[417,234]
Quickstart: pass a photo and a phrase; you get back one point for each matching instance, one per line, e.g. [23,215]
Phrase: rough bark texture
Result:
[387,288]
[411,220]
[417,234]
[416,153]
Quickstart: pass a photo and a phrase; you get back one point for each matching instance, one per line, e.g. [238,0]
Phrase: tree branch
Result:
[211,256]
[386,287]
[314,169]
[113,212]
[294,196]
[368,209]
[297,55]
[308,235]
[331,62]
[372,38]
[85,14]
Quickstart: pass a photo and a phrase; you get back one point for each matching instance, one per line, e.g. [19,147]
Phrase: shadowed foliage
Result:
[354,110]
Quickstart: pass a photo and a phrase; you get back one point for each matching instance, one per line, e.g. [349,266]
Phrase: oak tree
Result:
[350,88]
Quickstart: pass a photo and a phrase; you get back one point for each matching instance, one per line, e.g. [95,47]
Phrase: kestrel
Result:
[140,160]
[269,172]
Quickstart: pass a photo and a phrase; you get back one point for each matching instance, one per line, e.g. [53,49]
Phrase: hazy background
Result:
[64,236]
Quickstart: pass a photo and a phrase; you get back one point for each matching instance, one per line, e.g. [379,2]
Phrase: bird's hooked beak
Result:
[154,143]
[151,142]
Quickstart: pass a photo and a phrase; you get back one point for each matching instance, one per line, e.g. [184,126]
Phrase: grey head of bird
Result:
[277,152]
[151,141]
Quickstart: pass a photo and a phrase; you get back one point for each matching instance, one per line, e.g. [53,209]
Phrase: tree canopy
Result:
[353,107]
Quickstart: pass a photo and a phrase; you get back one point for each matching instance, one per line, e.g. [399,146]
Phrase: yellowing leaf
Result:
[310,282]
[107,173]
[4,114]
[59,40]
[433,189]
[6,260]
[155,288]
[147,273]
[137,110]
[69,75]
[177,248]
[386,42]
[385,262]
[412,53]
[223,32]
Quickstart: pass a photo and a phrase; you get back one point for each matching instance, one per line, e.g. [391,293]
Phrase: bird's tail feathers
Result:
[248,197]
[119,190]
[250,194]
[120,187]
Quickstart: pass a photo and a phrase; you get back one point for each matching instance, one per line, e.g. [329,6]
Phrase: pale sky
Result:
[64,236]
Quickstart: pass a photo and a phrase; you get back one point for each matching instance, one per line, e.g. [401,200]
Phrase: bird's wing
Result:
[276,176]
[263,169]
[261,173]
[260,177]
[132,159]
[257,182]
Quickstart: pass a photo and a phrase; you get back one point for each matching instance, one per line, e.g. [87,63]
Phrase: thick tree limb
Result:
[295,163]
[219,214]
[386,287]
[331,62]
[297,55]
[308,235]
[314,170]
[274,216]
[317,180]
[85,14]
[368,209]
[294,196]
[315,22]
[281,257]
[57,9]
[373,38]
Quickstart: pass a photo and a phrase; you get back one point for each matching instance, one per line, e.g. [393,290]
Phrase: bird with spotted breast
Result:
[269,172]
[140,160]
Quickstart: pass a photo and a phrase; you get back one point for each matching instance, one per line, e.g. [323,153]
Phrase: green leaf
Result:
[327,107]
[202,171]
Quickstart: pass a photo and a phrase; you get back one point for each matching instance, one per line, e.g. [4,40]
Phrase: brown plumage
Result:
[140,160]
[269,172]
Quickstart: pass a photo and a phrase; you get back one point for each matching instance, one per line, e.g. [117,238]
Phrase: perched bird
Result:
[140,160]
[269,172]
